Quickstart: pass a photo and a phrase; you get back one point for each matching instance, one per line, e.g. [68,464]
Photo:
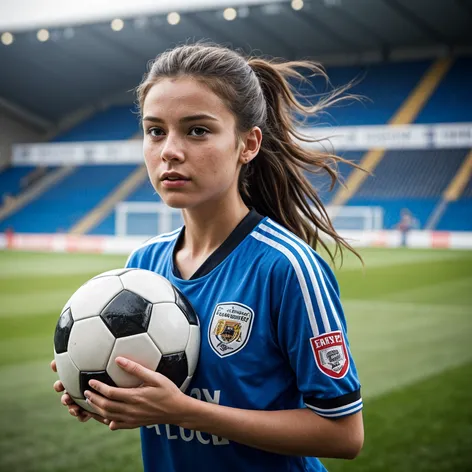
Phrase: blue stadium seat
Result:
[452,99]
[10,179]
[63,205]
[458,214]
[420,208]
[322,182]
[457,217]
[413,174]
[384,87]
[115,123]
[144,193]
[409,179]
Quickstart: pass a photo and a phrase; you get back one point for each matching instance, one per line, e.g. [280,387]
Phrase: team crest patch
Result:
[230,328]
[331,354]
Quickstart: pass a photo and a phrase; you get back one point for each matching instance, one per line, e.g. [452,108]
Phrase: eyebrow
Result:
[185,119]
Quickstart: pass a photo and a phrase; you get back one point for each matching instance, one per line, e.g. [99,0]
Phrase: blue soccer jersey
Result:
[273,337]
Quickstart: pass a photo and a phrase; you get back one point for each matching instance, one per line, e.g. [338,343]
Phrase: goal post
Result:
[149,219]
[358,218]
[145,219]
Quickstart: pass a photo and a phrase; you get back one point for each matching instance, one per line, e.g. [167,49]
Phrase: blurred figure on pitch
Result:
[407,222]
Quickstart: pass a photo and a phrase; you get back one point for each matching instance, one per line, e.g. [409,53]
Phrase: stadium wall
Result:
[13,131]
[124,245]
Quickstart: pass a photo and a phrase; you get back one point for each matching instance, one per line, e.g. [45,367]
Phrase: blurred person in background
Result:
[280,384]
[406,224]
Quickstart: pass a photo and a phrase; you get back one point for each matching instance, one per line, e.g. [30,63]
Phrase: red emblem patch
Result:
[331,354]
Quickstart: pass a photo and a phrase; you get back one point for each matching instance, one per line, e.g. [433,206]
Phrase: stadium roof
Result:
[87,61]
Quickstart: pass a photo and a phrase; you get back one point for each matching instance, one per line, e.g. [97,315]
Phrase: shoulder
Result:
[151,246]
[292,256]
[286,247]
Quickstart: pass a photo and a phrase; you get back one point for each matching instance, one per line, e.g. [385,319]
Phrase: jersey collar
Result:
[245,227]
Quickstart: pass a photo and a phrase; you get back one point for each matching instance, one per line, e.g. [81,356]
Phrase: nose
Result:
[172,149]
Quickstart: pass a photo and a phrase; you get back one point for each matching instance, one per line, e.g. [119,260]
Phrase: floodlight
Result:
[7,38]
[230,14]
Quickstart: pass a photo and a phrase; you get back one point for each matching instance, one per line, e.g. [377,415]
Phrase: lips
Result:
[173,176]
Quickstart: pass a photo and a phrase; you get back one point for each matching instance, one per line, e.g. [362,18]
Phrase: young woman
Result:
[276,385]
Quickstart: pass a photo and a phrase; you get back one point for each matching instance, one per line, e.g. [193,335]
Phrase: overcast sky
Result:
[17,15]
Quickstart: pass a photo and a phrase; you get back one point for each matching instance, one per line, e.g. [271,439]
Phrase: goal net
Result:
[149,219]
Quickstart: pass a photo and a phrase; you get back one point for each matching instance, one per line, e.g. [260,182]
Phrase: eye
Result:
[198,132]
[155,132]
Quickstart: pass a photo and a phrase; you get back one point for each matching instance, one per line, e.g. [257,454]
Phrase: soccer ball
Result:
[133,313]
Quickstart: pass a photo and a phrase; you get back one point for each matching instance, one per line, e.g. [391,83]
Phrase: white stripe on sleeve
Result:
[313,279]
[309,268]
[300,277]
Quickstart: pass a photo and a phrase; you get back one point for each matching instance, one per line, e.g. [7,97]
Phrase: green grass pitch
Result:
[410,326]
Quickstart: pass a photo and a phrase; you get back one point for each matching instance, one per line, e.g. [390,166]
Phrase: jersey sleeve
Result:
[311,329]
[133,261]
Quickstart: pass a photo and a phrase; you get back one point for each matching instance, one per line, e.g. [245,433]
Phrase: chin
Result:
[179,202]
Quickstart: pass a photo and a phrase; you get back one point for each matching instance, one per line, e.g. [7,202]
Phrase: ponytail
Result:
[275,182]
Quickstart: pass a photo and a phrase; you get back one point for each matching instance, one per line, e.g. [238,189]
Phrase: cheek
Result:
[219,161]
[151,154]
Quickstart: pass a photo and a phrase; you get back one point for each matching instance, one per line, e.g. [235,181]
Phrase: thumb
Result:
[137,370]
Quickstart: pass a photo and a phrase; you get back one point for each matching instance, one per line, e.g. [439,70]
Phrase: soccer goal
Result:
[152,218]
[145,219]
[361,218]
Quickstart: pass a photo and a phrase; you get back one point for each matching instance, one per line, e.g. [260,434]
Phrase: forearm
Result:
[291,432]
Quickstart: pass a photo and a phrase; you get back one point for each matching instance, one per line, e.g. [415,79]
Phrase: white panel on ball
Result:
[68,373]
[92,297]
[90,344]
[149,285]
[185,385]
[193,348]
[139,348]
[168,328]
[84,405]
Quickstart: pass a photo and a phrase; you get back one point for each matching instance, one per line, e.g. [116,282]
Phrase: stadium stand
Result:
[380,95]
[447,103]
[401,179]
[409,179]
[61,206]
[413,174]
[143,193]
[405,114]
[11,178]
[458,216]
[114,123]
[455,209]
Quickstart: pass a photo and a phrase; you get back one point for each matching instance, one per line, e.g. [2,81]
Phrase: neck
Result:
[206,228]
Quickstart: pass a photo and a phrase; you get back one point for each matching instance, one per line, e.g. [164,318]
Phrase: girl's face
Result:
[190,146]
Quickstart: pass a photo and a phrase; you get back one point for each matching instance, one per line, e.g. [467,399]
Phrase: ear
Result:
[251,143]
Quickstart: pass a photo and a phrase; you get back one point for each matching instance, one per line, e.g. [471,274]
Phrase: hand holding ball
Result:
[133,313]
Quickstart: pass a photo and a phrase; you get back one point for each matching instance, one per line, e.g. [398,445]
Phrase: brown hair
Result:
[259,93]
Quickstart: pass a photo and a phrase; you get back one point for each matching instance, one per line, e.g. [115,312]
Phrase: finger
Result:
[66,400]
[103,404]
[112,393]
[137,370]
[105,408]
[58,386]
[100,419]
[116,425]
[85,416]
[54,366]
